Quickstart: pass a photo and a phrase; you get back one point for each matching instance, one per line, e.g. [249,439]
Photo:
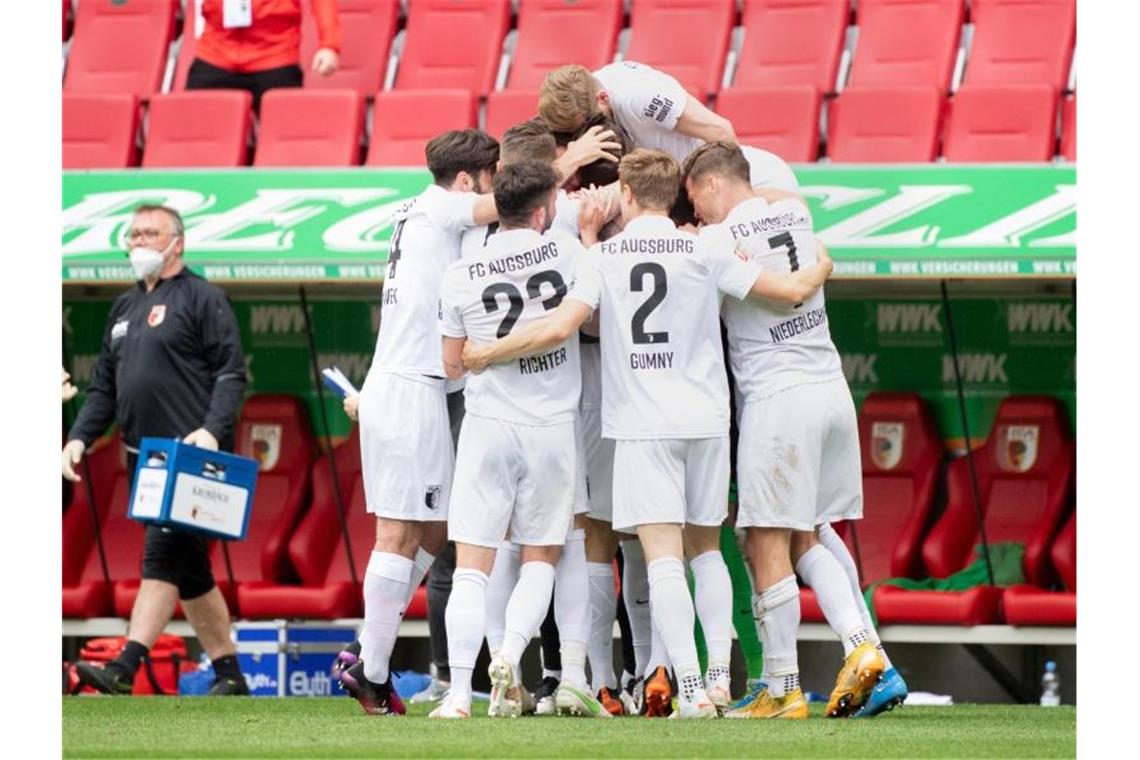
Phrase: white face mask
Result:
[148,262]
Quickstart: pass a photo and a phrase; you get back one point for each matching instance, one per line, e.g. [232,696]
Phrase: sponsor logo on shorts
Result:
[1018,452]
[431,497]
[886,444]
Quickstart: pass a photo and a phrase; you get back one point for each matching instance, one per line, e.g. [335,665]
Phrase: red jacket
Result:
[271,41]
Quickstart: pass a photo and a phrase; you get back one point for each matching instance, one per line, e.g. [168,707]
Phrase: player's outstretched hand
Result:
[591,217]
[351,406]
[473,358]
[596,143]
[72,453]
[203,439]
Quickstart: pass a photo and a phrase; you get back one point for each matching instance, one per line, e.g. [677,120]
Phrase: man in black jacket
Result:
[171,366]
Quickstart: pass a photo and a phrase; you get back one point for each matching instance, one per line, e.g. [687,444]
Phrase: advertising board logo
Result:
[1018,449]
[887,444]
[1048,323]
[975,368]
[909,323]
[860,368]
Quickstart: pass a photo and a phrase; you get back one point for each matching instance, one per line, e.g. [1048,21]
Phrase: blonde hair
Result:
[567,98]
[653,176]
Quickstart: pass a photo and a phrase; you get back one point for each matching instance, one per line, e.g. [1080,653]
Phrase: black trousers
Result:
[206,76]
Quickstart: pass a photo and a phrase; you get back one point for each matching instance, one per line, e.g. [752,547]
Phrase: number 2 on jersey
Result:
[660,288]
[533,289]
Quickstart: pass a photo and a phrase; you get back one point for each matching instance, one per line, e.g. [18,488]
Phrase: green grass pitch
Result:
[335,727]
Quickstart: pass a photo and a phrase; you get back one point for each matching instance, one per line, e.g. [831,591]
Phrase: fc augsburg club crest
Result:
[886,444]
[1018,452]
[157,314]
[265,442]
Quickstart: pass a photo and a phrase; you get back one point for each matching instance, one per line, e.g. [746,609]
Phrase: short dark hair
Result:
[602,172]
[522,187]
[461,150]
[529,141]
[175,217]
[719,157]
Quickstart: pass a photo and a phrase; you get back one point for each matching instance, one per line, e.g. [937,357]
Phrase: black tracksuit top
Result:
[171,363]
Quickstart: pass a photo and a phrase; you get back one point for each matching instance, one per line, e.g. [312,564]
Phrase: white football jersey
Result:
[425,241]
[772,346]
[565,220]
[659,294]
[518,277]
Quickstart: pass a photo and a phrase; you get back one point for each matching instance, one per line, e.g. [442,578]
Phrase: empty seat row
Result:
[457,44]
[325,128]
[1025,479]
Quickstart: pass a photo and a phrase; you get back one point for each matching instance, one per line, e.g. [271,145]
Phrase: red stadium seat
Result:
[99,131]
[553,33]
[1069,128]
[885,124]
[310,128]
[687,39]
[119,47]
[453,44]
[507,108]
[198,128]
[188,43]
[904,42]
[789,42]
[1025,474]
[368,27]
[783,120]
[1022,42]
[404,121]
[902,453]
[274,429]
[314,546]
[1029,605]
[85,593]
[1002,123]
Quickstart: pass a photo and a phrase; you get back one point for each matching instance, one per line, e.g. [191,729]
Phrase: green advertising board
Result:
[920,222]
[1008,344]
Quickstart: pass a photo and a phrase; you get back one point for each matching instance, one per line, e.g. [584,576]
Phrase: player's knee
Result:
[801,542]
[397,537]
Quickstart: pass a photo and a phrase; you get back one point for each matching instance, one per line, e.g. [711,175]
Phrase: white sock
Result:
[778,610]
[526,609]
[673,614]
[385,591]
[572,607]
[500,584]
[466,609]
[829,538]
[635,593]
[603,609]
[713,601]
[820,570]
[420,568]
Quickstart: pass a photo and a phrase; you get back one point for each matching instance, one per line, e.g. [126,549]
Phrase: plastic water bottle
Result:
[1050,686]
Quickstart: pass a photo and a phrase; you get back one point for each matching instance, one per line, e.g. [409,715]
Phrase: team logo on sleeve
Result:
[1018,449]
[431,497]
[265,443]
[157,314]
[887,444]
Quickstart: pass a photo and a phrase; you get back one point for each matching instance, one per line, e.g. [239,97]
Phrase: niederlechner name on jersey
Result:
[652,360]
[649,245]
[528,365]
[796,325]
[514,263]
[785,221]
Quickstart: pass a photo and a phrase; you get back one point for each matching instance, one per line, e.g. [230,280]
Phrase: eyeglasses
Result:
[133,235]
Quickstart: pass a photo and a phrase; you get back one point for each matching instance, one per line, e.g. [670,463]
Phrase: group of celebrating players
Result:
[579,273]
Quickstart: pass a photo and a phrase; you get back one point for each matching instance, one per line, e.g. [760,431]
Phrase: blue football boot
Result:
[888,692]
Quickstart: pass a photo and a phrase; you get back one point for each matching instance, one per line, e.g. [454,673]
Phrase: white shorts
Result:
[670,481]
[798,462]
[599,464]
[405,448]
[520,477]
[581,488]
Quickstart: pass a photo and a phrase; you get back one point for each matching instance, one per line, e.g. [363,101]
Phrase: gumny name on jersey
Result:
[654,360]
[797,325]
[649,245]
[514,263]
[784,221]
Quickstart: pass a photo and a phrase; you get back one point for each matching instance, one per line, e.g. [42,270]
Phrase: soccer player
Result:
[798,459]
[652,109]
[517,458]
[665,396]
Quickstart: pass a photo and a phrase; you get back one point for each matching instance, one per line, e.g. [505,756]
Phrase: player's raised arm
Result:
[697,120]
[555,328]
[797,286]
